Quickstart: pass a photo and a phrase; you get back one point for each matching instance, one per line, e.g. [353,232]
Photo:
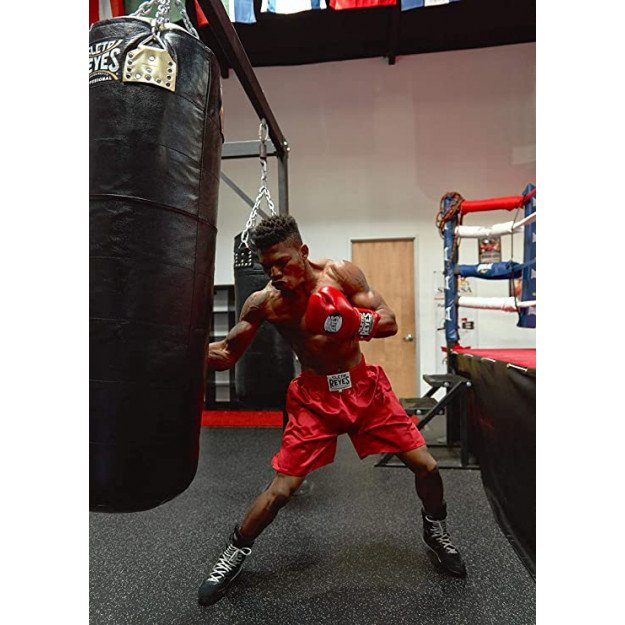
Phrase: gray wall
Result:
[373,149]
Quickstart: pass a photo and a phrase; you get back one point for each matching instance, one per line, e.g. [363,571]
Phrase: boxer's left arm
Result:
[361,295]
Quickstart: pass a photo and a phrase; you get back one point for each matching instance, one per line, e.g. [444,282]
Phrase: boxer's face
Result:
[285,264]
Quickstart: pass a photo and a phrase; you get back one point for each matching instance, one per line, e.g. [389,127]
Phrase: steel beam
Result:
[232,47]
[245,149]
[283,184]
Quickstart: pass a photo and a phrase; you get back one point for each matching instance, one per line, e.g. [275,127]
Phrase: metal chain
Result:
[263,135]
[263,191]
[163,10]
[185,18]
[145,8]
[162,13]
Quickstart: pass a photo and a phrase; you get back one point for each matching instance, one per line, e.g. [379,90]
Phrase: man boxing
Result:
[324,309]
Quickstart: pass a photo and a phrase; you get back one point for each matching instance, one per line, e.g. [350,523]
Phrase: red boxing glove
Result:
[329,312]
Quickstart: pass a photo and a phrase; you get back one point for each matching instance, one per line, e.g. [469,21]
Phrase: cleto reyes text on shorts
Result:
[339,381]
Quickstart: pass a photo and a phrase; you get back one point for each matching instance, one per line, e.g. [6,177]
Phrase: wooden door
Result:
[388,265]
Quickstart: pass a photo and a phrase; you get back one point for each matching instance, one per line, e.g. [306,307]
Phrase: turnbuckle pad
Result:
[152,66]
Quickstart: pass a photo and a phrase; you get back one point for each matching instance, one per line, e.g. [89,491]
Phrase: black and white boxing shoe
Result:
[436,539]
[223,573]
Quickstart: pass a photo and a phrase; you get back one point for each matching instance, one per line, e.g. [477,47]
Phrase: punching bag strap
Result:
[263,191]
[155,64]
[151,64]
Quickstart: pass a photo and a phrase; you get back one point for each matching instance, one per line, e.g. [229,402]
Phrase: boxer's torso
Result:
[318,353]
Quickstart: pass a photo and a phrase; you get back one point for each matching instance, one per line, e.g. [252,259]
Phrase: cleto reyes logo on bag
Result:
[104,62]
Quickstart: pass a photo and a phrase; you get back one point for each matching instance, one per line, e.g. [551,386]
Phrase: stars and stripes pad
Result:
[491,271]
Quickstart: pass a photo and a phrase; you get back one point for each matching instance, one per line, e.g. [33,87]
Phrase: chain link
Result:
[185,18]
[145,8]
[163,11]
[263,191]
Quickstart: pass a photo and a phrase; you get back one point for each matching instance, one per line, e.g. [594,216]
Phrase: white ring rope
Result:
[507,304]
[508,227]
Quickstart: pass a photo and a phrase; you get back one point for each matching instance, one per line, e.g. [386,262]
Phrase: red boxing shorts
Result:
[359,402]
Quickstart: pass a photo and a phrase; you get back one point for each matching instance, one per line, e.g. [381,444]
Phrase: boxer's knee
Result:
[420,461]
[281,490]
[429,466]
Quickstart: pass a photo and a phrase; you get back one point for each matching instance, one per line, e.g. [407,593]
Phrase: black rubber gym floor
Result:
[348,552]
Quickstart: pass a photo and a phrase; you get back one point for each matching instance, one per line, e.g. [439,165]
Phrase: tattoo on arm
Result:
[360,281]
[360,294]
[350,277]
[354,283]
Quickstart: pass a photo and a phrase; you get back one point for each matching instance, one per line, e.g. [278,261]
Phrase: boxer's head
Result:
[281,251]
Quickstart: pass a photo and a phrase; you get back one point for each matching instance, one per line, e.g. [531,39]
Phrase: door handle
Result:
[409,338]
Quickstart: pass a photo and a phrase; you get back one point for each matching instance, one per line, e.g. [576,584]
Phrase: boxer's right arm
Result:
[223,354]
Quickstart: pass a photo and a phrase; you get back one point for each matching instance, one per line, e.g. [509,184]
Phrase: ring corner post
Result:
[527,317]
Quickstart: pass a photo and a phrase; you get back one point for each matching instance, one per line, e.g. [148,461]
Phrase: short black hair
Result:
[276,229]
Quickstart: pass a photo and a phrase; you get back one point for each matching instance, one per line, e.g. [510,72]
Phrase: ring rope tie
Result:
[443,216]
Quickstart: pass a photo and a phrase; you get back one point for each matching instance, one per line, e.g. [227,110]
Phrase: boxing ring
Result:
[501,402]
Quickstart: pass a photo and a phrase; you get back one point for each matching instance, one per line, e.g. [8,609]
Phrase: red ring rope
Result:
[497,203]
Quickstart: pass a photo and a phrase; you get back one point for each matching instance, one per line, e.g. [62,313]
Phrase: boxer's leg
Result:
[308,443]
[265,507]
[260,514]
[429,487]
[306,485]
[428,482]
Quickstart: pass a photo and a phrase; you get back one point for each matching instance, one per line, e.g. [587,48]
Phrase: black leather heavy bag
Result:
[155,151]
[262,375]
